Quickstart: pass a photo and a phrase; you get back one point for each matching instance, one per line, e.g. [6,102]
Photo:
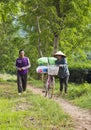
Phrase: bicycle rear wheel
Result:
[49,92]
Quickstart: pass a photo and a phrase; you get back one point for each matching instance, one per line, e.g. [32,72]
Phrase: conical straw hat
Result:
[59,53]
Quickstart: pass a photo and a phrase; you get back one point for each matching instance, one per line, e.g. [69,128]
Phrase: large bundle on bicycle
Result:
[46,61]
[47,65]
[42,69]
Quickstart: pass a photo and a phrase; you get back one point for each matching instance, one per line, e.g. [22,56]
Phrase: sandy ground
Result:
[80,117]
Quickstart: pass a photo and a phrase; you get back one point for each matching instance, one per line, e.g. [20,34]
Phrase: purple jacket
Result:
[24,64]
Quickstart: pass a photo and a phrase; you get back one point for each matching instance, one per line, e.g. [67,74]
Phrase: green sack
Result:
[46,61]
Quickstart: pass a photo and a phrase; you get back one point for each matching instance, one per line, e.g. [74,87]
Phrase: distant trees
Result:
[49,25]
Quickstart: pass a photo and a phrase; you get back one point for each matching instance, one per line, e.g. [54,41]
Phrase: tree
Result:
[47,26]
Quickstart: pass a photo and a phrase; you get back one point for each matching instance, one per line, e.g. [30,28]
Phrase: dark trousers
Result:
[64,83]
[21,82]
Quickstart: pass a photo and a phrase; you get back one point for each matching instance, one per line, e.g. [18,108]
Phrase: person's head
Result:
[59,55]
[21,53]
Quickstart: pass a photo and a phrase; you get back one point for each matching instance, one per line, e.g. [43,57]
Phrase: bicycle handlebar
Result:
[62,65]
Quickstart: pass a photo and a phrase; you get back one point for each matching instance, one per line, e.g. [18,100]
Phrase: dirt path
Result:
[81,118]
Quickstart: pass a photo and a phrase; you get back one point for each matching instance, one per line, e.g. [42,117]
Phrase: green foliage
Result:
[80,95]
[40,22]
[77,91]
[80,64]
[84,101]
[30,111]
[7,77]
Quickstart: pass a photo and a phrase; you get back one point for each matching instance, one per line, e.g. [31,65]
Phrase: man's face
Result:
[22,54]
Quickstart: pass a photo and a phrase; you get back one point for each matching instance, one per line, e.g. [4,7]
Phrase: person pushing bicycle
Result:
[63,73]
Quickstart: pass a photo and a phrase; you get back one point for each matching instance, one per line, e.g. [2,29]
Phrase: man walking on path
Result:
[22,66]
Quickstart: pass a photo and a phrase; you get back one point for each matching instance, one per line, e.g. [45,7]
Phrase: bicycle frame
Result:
[49,87]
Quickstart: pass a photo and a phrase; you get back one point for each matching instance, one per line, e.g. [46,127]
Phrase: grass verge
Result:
[29,111]
[79,94]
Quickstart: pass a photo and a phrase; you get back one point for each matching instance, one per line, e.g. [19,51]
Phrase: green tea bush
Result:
[80,72]
[80,65]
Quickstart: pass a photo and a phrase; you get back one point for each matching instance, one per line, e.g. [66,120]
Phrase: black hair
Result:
[20,51]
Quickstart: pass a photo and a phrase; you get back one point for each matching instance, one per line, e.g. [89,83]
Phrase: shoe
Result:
[19,94]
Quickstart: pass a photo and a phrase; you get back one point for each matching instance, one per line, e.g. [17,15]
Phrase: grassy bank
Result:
[29,112]
[33,112]
[79,94]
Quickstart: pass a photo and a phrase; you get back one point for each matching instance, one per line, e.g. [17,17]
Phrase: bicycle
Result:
[49,83]
[49,87]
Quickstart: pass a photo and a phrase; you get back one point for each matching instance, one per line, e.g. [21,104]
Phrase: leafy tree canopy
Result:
[43,27]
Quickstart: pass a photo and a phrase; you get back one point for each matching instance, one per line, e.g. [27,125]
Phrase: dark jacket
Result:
[63,70]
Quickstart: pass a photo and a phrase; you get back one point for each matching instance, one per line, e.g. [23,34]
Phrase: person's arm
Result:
[63,63]
[17,68]
[28,66]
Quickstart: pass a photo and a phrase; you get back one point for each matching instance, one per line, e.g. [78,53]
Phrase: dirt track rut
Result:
[80,117]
